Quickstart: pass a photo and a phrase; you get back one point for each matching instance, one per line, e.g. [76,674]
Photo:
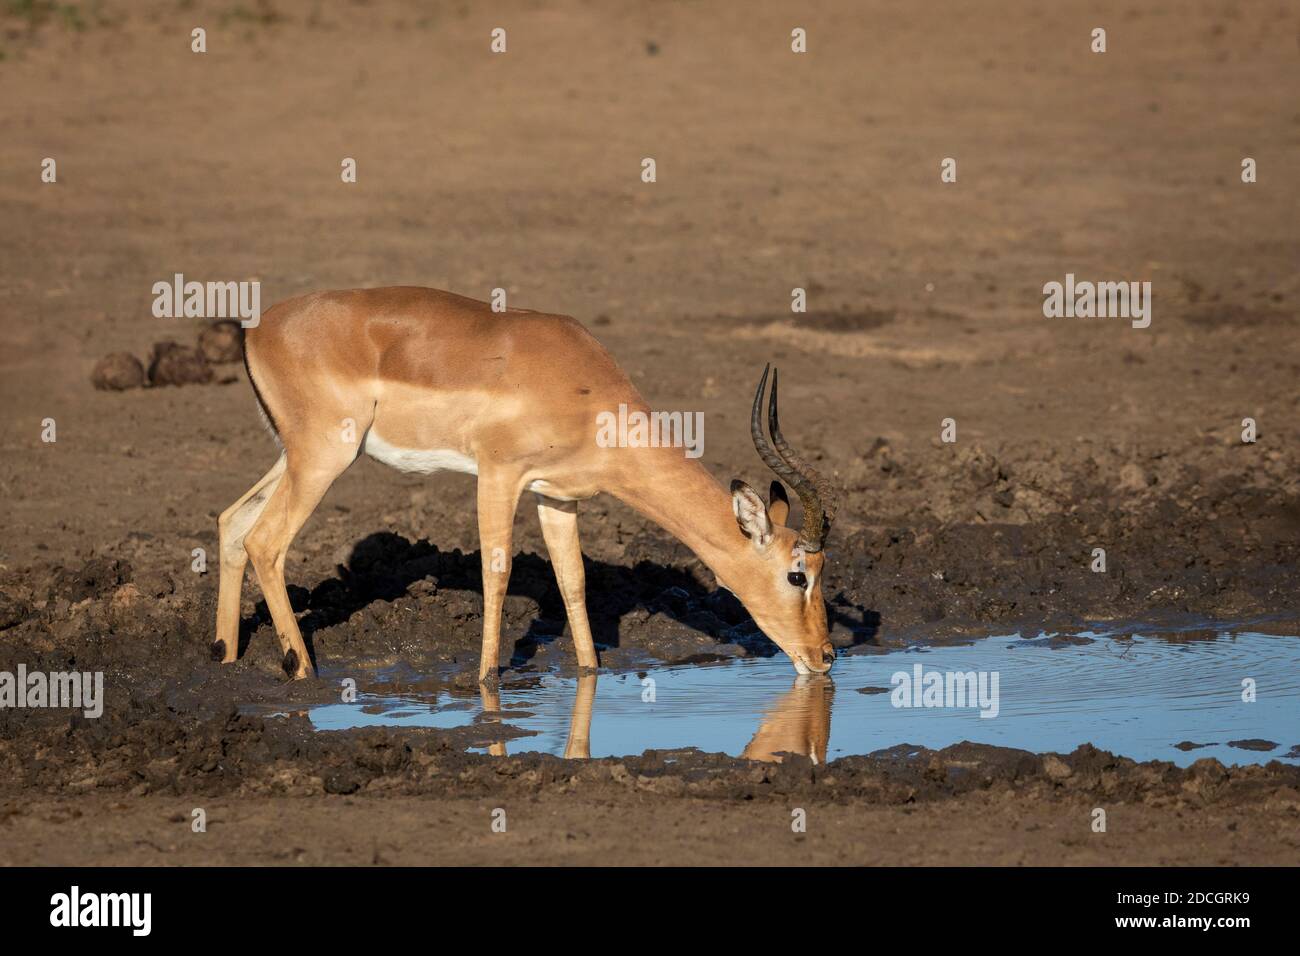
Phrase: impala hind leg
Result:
[498,497]
[296,496]
[232,526]
[560,530]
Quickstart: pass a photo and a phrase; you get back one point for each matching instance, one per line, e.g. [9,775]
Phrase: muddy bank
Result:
[148,747]
[981,536]
[172,721]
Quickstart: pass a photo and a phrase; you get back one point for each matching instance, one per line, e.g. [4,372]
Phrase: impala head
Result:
[782,586]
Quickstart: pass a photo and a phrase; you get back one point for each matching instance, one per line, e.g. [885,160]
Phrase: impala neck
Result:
[680,496]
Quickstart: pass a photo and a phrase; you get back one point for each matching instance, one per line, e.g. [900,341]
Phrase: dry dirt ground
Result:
[631,830]
[775,171]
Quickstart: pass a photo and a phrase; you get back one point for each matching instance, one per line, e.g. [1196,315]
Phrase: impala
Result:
[426,381]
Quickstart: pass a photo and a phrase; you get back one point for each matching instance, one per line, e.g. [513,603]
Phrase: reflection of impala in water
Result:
[799,722]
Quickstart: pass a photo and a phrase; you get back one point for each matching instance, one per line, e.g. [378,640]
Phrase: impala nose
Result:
[815,662]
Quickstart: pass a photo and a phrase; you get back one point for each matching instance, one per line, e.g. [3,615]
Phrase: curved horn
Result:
[765,451]
[814,492]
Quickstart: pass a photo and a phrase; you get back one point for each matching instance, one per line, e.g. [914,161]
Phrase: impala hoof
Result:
[217,651]
[290,665]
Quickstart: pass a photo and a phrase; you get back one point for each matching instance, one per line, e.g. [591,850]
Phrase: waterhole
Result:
[1232,695]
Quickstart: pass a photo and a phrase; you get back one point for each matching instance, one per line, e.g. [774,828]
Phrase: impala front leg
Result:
[559,521]
[498,496]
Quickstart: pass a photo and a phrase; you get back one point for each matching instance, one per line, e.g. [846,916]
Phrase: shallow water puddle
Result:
[1137,697]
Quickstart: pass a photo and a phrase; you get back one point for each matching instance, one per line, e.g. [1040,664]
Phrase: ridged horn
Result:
[813,490]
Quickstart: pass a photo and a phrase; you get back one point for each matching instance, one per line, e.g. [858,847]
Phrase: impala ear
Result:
[751,514]
[778,504]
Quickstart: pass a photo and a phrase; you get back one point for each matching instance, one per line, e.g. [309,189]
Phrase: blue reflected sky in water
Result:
[1134,697]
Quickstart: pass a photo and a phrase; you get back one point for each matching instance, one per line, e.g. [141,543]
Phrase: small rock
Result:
[13,610]
[1253,743]
[1132,478]
[117,372]
[156,584]
[1056,768]
[342,783]
[124,597]
[96,577]
[222,342]
[1207,768]
[172,364]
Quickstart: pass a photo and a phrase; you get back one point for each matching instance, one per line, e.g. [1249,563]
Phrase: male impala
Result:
[424,381]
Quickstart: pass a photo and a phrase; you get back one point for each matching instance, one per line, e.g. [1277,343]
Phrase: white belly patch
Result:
[544,488]
[415,460]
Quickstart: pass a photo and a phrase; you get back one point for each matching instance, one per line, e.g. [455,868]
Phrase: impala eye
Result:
[798,579]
